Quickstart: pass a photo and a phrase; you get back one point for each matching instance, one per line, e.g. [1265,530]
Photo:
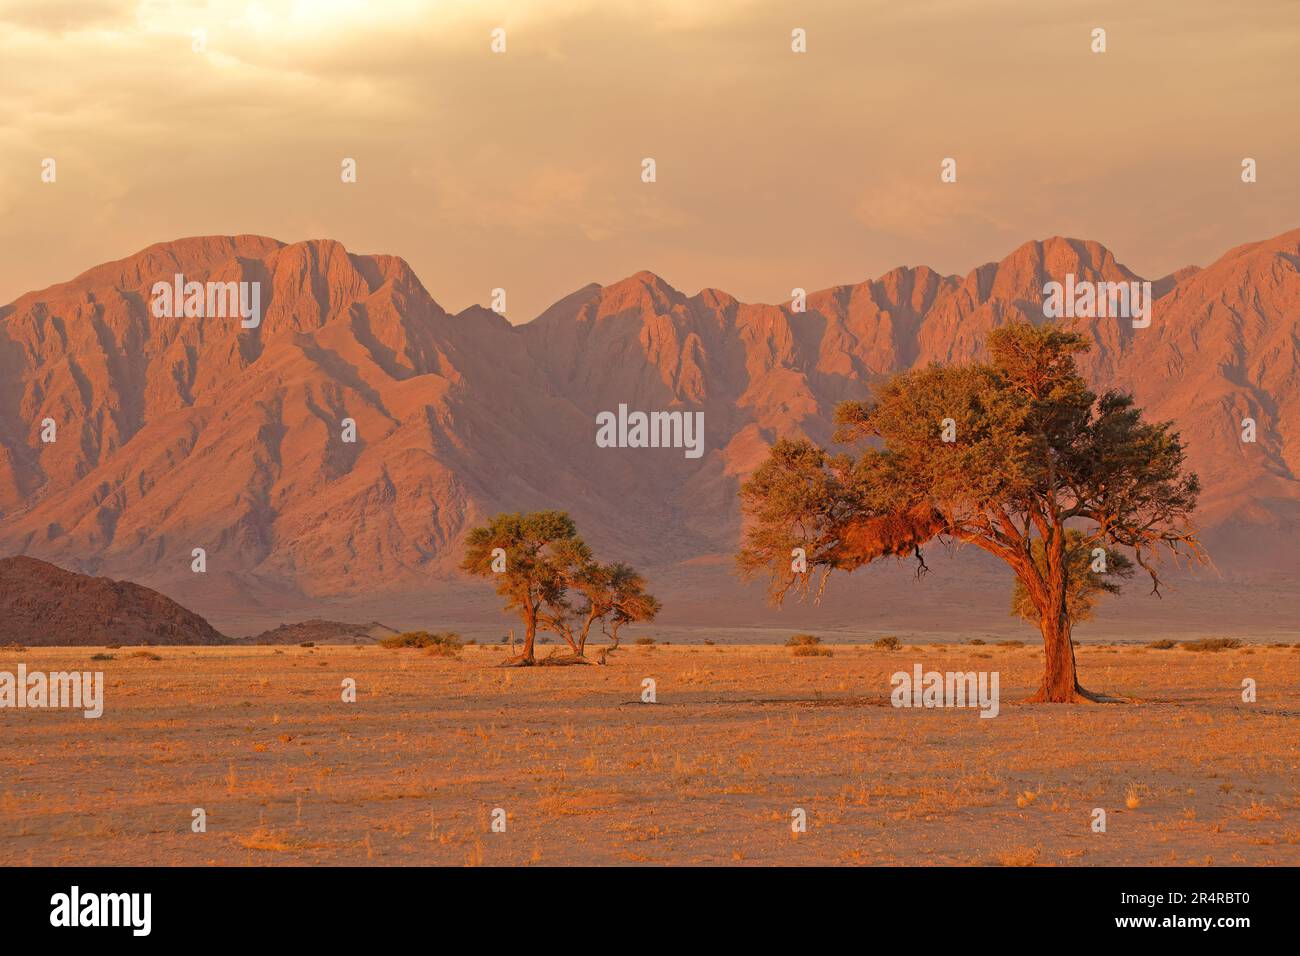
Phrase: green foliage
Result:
[614,593]
[551,579]
[542,554]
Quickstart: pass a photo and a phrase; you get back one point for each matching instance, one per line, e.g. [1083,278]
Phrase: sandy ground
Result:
[411,772]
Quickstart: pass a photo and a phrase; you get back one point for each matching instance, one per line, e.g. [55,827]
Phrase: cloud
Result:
[474,165]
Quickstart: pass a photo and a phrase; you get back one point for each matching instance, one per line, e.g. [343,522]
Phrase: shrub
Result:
[1212,644]
[1162,645]
[102,657]
[423,639]
[144,656]
[888,643]
[645,640]
[803,640]
[976,641]
[811,650]
[307,644]
[1011,643]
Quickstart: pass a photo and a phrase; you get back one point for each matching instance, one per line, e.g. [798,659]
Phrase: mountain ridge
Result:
[184,433]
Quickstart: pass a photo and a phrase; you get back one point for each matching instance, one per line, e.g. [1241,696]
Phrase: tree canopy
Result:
[548,576]
[1008,454]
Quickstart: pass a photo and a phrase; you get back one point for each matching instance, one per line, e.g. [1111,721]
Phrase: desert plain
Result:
[288,773]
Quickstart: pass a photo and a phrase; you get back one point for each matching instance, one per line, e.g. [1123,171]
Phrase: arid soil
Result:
[289,773]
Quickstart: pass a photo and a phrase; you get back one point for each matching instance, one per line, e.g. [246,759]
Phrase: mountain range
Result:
[180,433]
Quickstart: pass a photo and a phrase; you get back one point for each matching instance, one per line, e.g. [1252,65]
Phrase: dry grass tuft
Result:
[1018,856]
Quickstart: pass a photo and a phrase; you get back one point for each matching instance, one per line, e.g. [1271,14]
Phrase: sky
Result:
[522,170]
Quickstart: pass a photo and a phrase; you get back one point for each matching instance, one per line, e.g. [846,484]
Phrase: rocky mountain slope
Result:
[41,604]
[182,433]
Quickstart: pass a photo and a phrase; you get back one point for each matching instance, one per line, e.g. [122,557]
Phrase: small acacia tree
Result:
[547,575]
[538,554]
[616,594]
[1004,455]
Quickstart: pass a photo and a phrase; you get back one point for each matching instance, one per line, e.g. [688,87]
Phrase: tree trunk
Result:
[1060,680]
[586,629]
[530,635]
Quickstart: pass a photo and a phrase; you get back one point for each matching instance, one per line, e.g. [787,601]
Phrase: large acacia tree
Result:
[1009,455]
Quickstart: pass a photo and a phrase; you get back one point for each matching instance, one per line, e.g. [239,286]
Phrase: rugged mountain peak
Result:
[350,439]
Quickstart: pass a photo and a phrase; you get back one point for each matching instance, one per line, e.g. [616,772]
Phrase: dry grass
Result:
[811,650]
[1212,644]
[1018,856]
[290,774]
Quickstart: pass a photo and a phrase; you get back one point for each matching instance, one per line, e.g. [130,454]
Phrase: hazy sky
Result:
[523,170]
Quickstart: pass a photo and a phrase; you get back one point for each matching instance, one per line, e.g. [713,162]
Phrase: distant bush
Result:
[102,657]
[708,642]
[447,640]
[144,656]
[1162,645]
[803,640]
[811,650]
[645,640]
[307,644]
[888,643]
[1212,644]
[1011,643]
[976,641]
